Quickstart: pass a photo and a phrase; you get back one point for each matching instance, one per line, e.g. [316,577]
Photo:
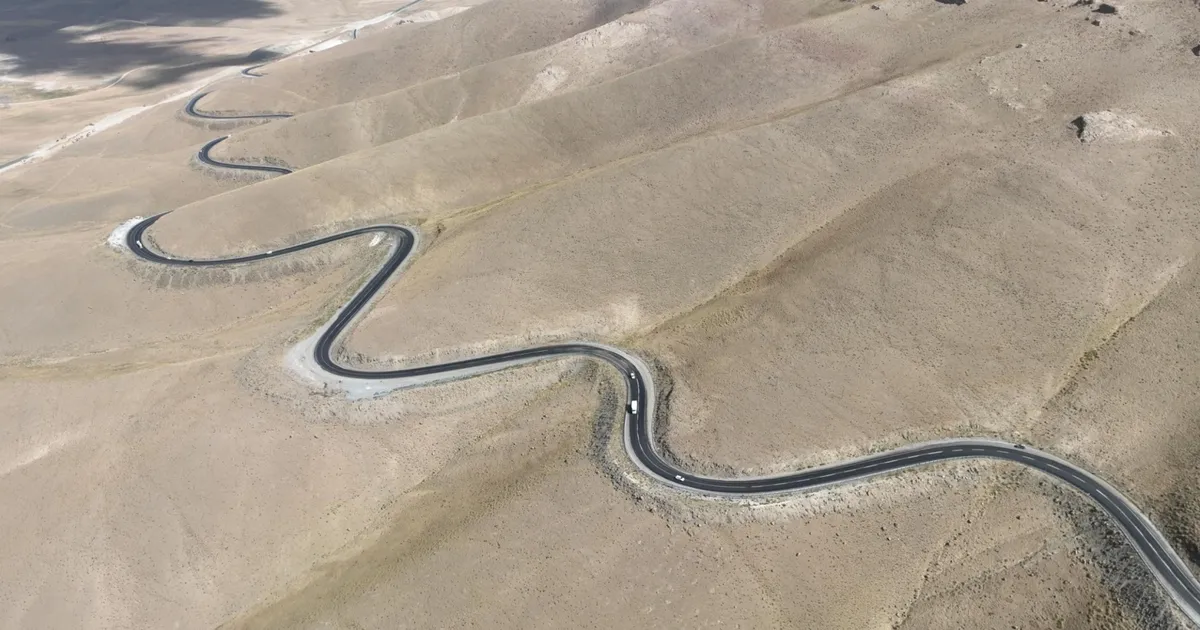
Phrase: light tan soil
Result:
[832,227]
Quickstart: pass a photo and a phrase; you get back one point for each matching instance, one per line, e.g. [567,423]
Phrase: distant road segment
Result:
[190,110]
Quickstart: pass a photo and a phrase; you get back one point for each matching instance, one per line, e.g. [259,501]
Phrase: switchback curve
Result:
[190,110]
[204,156]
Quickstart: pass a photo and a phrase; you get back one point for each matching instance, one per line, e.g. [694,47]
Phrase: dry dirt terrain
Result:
[832,227]
[66,65]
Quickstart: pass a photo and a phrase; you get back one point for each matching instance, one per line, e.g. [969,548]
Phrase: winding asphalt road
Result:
[639,432]
[205,158]
[190,110]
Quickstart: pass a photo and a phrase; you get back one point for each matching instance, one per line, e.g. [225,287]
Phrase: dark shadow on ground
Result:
[38,36]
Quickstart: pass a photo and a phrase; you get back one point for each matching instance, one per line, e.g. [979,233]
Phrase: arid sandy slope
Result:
[832,226]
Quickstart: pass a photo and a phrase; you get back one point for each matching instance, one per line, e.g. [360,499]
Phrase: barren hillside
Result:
[831,227]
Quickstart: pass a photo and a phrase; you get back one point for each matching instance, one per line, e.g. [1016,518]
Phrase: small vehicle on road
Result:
[633,407]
